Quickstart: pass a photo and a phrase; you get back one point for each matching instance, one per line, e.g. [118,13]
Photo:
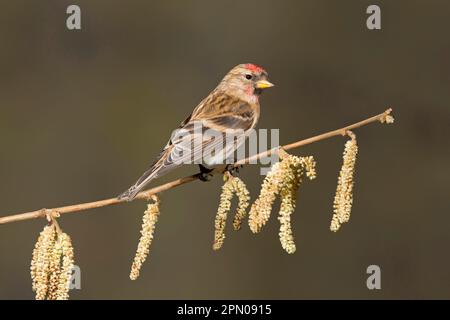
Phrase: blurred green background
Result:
[82,113]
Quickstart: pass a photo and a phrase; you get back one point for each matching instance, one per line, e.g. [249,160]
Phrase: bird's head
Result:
[245,81]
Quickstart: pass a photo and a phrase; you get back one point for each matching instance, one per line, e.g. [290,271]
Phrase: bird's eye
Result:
[248,76]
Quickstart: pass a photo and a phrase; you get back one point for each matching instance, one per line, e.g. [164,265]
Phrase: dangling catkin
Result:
[288,197]
[343,199]
[232,185]
[51,264]
[149,221]
[281,174]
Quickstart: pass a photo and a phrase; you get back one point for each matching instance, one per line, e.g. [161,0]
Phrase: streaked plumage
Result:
[231,108]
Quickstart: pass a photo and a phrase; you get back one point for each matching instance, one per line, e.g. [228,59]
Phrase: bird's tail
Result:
[148,176]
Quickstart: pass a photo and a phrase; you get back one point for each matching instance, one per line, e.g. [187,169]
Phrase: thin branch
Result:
[145,195]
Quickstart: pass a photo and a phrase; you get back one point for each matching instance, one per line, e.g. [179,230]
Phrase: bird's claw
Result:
[205,173]
[233,170]
[202,176]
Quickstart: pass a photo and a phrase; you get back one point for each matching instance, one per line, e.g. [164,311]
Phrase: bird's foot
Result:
[233,170]
[205,173]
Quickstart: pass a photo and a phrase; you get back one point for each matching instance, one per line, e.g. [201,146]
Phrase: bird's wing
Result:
[209,131]
[229,112]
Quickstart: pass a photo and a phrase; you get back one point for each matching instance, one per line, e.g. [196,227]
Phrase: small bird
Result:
[231,109]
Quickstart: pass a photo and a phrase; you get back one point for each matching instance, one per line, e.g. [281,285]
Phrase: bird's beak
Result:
[263,84]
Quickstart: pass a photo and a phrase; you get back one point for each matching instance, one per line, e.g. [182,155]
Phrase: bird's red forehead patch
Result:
[254,68]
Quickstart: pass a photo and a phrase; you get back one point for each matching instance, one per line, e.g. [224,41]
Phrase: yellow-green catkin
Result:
[288,195]
[51,264]
[241,191]
[300,166]
[232,185]
[343,199]
[67,262]
[54,270]
[260,210]
[149,221]
[40,262]
[280,180]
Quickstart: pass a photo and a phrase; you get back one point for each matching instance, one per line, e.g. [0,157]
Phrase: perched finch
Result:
[230,110]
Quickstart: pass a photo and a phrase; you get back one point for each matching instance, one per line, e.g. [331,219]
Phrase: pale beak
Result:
[263,84]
